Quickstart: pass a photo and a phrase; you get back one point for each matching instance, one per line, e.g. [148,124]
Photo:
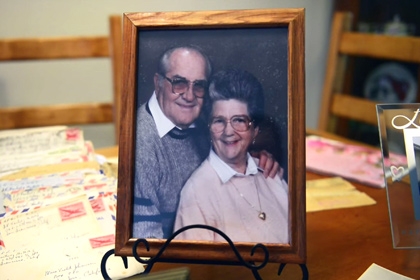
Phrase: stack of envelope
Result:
[57,207]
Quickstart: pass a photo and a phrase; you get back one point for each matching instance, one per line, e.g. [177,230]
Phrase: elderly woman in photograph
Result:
[228,191]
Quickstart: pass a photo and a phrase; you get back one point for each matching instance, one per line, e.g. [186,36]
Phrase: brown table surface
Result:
[341,244]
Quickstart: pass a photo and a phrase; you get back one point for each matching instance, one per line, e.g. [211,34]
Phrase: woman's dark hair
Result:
[240,85]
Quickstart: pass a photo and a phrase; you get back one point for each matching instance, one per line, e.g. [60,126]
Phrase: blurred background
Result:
[28,83]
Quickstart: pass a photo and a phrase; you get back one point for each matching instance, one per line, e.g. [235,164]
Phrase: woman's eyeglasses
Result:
[238,123]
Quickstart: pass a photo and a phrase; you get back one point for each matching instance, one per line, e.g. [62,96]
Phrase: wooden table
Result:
[341,244]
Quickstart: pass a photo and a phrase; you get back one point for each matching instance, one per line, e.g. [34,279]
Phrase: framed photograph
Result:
[179,134]
[399,127]
[412,150]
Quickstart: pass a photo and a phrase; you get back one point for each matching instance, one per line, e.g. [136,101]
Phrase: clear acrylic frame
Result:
[399,129]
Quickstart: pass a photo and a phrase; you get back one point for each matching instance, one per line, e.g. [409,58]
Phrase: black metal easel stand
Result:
[241,262]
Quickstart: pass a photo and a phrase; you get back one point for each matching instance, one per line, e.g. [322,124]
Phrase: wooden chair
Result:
[15,49]
[338,106]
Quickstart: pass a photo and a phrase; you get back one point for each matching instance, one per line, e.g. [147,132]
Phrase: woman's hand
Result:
[267,164]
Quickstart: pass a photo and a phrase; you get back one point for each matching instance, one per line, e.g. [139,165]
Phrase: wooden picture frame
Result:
[287,99]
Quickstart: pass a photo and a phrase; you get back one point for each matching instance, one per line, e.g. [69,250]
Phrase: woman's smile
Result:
[229,144]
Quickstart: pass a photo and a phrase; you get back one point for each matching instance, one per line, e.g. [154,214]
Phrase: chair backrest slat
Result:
[400,48]
[70,47]
[54,48]
[337,104]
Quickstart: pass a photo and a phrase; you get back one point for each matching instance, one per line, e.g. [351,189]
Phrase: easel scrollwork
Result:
[254,268]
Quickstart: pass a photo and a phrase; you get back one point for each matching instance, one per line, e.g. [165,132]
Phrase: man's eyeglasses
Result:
[239,123]
[181,85]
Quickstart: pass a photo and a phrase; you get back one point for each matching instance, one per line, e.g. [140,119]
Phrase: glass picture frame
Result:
[399,130]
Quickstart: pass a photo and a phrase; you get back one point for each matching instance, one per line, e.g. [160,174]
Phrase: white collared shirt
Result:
[163,124]
[225,172]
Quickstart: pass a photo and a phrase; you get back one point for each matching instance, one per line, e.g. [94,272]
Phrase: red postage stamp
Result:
[97,205]
[102,241]
[72,211]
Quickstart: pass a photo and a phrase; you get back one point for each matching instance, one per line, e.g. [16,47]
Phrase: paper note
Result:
[63,155]
[53,168]
[22,148]
[27,141]
[353,162]
[63,243]
[67,220]
[16,263]
[375,272]
[36,191]
[110,169]
[53,179]
[109,166]
[333,193]
[105,211]
[41,196]
[28,147]
[78,259]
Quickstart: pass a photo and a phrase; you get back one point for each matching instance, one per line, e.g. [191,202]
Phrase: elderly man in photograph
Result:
[170,140]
